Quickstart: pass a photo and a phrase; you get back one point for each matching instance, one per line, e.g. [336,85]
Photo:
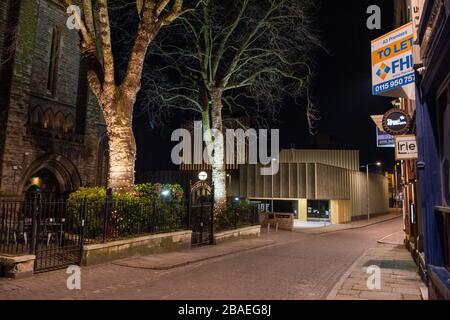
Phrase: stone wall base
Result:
[236,234]
[16,266]
[145,245]
[285,220]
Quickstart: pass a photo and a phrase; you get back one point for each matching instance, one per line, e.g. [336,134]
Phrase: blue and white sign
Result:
[384,140]
[392,62]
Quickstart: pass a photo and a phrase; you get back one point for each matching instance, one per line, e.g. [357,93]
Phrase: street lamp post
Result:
[367,186]
[273,160]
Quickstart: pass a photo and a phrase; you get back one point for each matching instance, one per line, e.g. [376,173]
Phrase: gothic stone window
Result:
[53,61]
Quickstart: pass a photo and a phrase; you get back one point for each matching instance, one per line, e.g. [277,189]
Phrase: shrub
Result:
[235,215]
[95,200]
[142,210]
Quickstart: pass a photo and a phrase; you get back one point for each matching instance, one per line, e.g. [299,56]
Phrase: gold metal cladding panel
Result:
[317,181]
[378,191]
[333,182]
[347,159]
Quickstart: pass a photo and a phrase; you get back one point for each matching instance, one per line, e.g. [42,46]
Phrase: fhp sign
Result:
[406,147]
[392,62]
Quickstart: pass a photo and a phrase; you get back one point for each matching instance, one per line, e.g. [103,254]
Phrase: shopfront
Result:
[318,210]
[433,130]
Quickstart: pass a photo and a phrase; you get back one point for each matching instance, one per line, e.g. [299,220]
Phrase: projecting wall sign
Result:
[392,63]
[396,122]
[384,140]
[406,148]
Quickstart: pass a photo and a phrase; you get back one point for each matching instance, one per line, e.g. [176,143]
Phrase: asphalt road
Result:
[298,266]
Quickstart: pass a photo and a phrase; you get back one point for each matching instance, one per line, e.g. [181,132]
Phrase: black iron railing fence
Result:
[112,220]
[96,221]
[236,216]
[40,225]
[16,226]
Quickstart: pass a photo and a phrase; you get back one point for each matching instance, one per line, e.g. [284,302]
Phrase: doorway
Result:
[318,210]
[43,184]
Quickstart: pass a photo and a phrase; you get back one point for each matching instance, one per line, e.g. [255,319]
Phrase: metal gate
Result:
[201,222]
[50,230]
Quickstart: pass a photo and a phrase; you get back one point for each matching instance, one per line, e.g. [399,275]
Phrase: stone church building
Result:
[52,134]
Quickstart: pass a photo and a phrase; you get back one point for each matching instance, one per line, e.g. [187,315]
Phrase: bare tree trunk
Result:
[117,101]
[218,158]
[122,145]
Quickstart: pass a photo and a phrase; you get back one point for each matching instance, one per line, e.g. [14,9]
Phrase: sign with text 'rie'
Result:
[392,64]
[406,147]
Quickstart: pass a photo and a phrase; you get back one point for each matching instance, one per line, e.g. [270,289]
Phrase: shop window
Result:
[444,129]
[318,210]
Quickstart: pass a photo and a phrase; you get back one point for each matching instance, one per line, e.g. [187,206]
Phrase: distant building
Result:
[51,130]
[312,184]
[317,185]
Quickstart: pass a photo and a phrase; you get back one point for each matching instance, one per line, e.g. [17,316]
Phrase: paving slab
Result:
[172,260]
[348,226]
[399,279]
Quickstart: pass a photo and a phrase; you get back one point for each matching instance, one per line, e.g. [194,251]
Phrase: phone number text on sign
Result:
[392,84]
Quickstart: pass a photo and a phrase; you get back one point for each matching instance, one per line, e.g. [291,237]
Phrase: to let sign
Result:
[406,147]
[392,63]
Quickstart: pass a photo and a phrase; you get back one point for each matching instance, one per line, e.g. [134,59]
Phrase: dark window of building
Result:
[102,161]
[444,135]
[443,216]
[318,210]
[53,61]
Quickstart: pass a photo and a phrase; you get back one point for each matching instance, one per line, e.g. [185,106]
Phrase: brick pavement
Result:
[351,225]
[297,266]
[399,277]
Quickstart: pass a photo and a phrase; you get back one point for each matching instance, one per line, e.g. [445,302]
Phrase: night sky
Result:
[342,91]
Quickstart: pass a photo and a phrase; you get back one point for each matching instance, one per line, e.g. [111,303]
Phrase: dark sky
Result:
[342,91]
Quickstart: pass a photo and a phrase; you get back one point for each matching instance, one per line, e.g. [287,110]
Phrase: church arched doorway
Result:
[53,177]
[45,185]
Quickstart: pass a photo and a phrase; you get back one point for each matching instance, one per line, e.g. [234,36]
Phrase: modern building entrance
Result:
[318,210]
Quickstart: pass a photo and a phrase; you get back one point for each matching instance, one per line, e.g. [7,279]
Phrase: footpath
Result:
[392,263]
[348,226]
[166,261]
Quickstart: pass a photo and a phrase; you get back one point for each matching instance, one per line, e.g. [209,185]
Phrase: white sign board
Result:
[406,147]
[392,64]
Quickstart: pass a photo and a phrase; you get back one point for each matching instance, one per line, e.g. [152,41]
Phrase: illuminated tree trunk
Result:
[218,157]
[122,145]
[117,101]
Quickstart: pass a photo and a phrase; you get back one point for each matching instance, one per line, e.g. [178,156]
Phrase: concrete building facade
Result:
[312,184]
